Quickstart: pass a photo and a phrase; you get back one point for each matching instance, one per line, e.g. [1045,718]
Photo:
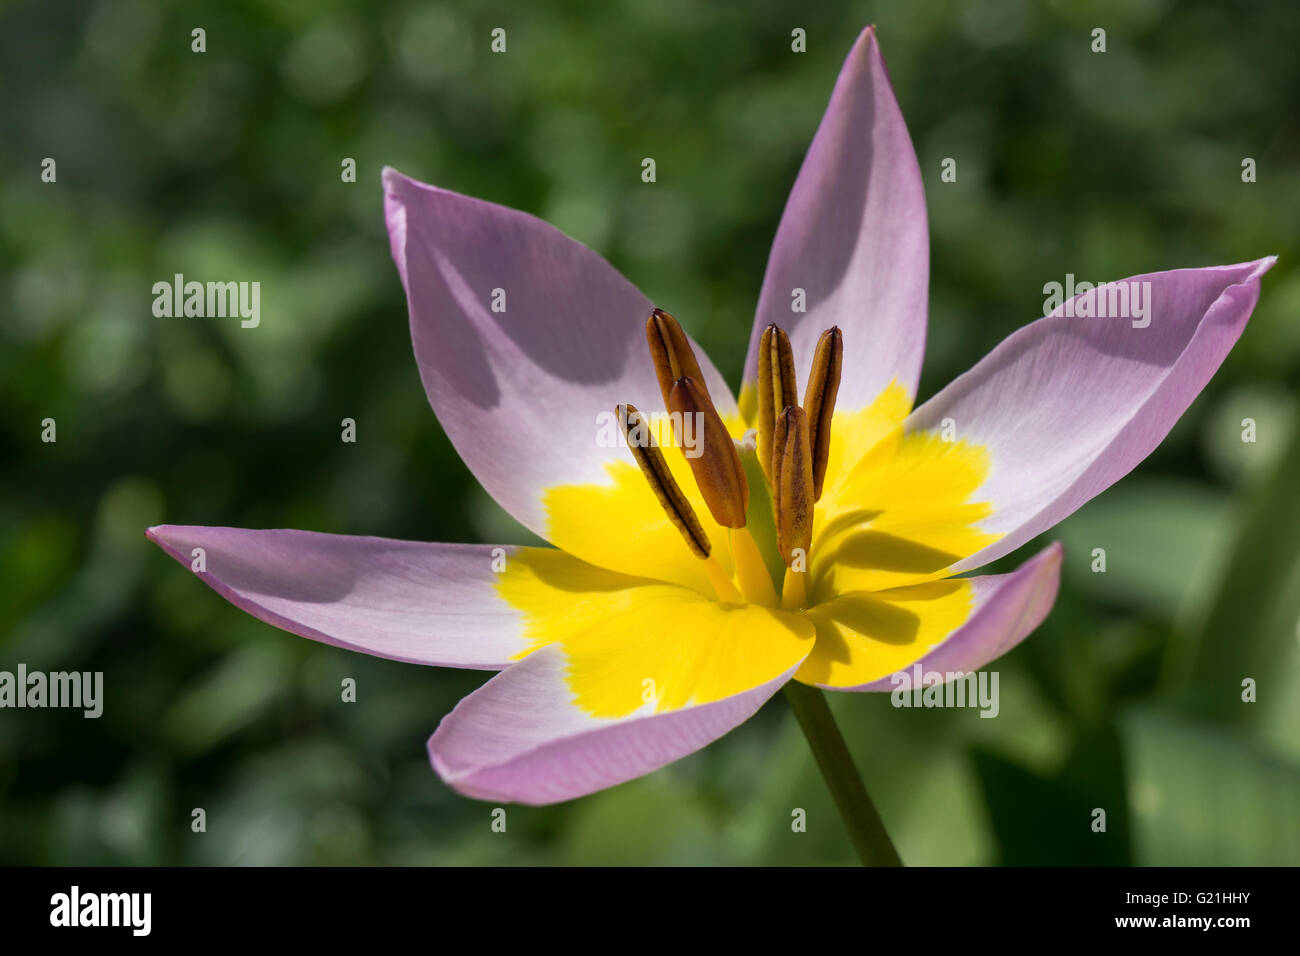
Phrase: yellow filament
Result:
[755,583]
[726,591]
[793,591]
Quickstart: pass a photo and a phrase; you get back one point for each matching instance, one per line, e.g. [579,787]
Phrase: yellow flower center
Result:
[822,529]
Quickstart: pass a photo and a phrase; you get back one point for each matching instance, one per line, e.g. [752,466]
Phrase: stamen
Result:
[755,580]
[794,592]
[722,584]
[652,464]
[819,401]
[776,389]
[671,352]
[717,466]
[792,491]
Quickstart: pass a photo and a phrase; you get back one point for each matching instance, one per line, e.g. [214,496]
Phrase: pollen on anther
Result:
[650,459]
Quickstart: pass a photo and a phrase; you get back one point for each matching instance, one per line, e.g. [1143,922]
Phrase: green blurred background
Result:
[227,165]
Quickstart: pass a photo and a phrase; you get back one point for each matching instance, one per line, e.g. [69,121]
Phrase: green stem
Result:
[836,764]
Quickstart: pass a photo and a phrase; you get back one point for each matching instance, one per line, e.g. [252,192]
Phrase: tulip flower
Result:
[815,534]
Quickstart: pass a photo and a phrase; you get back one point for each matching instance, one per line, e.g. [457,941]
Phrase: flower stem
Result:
[866,830]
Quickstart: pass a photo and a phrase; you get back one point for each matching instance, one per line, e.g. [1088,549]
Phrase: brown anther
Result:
[776,389]
[713,457]
[792,485]
[671,352]
[651,461]
[819,401]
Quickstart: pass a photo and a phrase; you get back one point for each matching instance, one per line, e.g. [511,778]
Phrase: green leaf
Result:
[1163,541]
[1046,819]
[1200,796]
[1252,627]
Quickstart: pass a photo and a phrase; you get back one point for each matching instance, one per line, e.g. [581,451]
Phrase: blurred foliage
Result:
[226,164]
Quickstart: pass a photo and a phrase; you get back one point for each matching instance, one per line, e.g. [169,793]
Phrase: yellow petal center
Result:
[648,626]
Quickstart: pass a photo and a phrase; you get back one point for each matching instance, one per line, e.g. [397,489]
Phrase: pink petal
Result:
[854,237]
[1069,405]
[1006,608]
[519,392]
[523,738]
[404,600]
